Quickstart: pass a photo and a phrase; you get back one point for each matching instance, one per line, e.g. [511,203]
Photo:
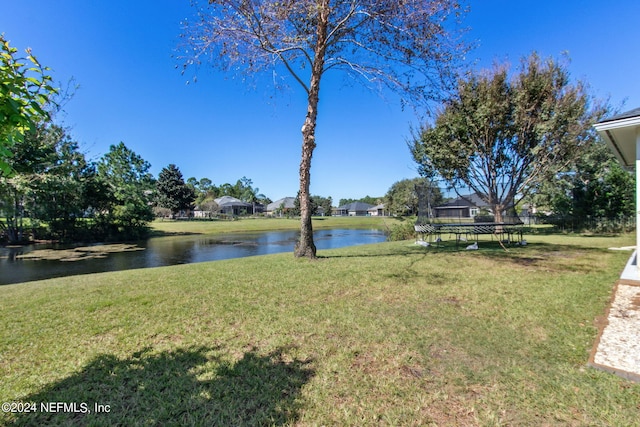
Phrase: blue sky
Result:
[121,53]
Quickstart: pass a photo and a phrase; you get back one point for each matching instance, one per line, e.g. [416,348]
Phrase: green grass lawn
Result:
[392,334]
[267,224]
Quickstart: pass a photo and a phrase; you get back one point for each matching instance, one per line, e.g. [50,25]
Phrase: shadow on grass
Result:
[532,254]
[373,250]
[409,249]
[189,386]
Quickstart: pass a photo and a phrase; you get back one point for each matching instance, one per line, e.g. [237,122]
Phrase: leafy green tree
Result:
[206,185]
[405,46]
[172,192]
[553,195]
[25,92]
[245,191]
[63,198]
[204,190]
[601,187]
[323,202]
[615,192]
[193,183]
[33,153]
[227,189]
[502,136]
[52,184]
[371,200]
[131,188]
[403,198]
[595,186]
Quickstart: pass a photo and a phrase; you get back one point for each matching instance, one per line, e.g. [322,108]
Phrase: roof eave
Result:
[615,124]
[607,131]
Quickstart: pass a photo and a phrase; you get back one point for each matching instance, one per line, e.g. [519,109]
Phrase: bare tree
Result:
[409,46]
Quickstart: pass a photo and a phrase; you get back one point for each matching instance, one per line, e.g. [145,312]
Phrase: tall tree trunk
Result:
[497,213]
[305,246]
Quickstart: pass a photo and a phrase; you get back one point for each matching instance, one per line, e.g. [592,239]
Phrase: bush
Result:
[402,231]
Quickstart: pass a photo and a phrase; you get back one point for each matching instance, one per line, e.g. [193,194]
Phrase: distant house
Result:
[466,207]
[281,207]
[377,210]
[231,206]
[353,209]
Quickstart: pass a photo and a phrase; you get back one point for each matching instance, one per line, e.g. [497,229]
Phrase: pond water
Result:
[161,251]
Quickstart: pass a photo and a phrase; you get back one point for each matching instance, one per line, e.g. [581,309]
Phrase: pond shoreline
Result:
[168,228]
[37,262]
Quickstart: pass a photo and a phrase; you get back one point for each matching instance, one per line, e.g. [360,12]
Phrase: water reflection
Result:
[161,251]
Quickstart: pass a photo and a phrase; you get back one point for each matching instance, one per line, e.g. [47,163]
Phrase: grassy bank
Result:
[267,224]
[391,334]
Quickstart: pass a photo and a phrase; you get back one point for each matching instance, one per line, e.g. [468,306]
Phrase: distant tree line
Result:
[54,192]
[319,204]
[176,196]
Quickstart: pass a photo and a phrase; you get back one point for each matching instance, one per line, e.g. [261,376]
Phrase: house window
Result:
[474,212]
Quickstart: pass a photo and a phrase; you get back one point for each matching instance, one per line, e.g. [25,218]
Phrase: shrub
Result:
[402,231]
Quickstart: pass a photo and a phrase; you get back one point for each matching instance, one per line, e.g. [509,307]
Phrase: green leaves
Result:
[172,192]
[25,92]
[131,187]
[403,196]
[501,135]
